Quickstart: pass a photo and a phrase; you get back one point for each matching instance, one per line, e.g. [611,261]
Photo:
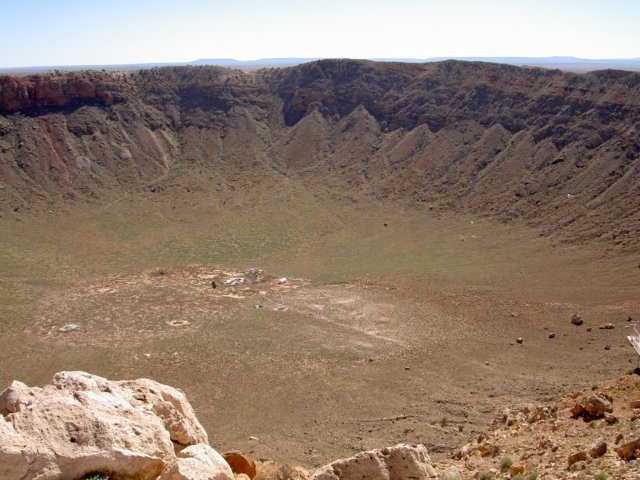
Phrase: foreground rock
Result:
[394,463]
[593,406]
[569,439]
[198,462]
[240,463]
[83,424]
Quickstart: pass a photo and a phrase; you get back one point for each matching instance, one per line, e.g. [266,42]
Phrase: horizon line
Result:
[229,61]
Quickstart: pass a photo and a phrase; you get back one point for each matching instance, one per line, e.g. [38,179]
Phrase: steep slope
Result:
[559,151]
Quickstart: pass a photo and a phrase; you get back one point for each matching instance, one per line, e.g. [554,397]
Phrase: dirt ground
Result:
[309,370]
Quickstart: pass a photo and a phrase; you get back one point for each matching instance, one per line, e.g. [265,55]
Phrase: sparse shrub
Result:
[532,476]
[600,476]
[485,476]
[594,386]
[443,422]
[506,463]
[449,477]
[95,476]
[519,476]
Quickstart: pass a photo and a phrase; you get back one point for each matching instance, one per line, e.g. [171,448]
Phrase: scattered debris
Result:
[213,284]
[283,281]
[280,307]
[178,323]
[552,335]
[606,326]
[69,327]
[255,272]
[234,281]
[258,305]
[635,341]
[519,340]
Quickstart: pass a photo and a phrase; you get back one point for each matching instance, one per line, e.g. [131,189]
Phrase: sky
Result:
[95,32]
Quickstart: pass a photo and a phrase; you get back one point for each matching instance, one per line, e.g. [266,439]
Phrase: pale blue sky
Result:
[64,32]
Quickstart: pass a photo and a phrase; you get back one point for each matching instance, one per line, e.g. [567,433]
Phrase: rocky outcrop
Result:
[83,424]
[557,444]
[47,91]
[593,406]
[393,463]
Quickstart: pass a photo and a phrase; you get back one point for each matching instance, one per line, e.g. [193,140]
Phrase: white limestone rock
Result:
[393,463]
[199,462]
[84,423]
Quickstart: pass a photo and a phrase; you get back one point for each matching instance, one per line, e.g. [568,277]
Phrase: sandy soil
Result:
[315,370]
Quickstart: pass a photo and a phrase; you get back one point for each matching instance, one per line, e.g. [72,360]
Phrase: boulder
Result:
[198,462]
[516,470]
[240,463]
[576,319]
[83,423]
[593,406]
[598,404]
[576,457]
[629,450]
[14,459]
[393,463]
[598,448]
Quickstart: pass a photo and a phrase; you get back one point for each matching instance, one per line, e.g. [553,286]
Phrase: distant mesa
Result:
[567,63]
